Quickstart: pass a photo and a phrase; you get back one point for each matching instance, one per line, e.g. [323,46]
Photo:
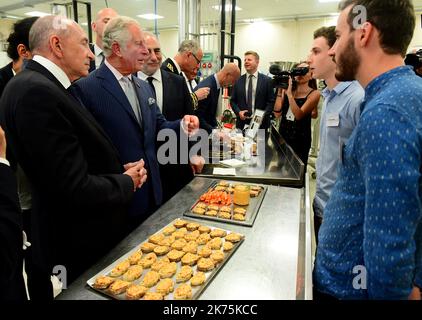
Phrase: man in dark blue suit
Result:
[207,108]
[126,108]
[252,91]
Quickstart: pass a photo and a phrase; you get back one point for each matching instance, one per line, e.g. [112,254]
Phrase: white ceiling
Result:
[251,9]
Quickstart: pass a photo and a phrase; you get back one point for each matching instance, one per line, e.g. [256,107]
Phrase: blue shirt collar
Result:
[376,84]
[338,89]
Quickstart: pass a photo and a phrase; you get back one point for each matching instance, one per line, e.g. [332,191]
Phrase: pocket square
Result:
[151,101]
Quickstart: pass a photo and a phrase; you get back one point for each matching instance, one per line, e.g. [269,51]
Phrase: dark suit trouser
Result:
[39,283]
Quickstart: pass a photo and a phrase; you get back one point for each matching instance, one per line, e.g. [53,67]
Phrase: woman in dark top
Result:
[296,105]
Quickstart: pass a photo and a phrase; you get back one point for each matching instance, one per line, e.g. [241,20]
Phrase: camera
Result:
[281,78]
[415,60]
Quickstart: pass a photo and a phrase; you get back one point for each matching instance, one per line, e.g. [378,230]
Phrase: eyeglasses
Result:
[197,60]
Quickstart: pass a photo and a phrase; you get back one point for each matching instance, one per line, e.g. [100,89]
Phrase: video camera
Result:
[281,78]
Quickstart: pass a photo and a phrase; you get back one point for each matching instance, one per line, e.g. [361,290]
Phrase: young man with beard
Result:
[340,115]
[371,236]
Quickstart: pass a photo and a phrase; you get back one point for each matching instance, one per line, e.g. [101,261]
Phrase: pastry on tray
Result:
[183,292]
[135,292]
[118,287]
[198,279]
[133,273]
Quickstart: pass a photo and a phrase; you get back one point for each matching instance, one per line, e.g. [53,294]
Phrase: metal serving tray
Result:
[196,290]
[251,210]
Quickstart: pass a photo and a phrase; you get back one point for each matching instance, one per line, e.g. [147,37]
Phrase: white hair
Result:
[44,28]
[117,30]
[189,45]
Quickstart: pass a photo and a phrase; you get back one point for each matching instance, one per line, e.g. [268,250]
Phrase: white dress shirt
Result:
[158,85]
[4,161]
[99,56]
[57,72]
[179,71]
[118,75]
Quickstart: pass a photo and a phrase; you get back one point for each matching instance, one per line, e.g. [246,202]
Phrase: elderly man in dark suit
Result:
[126,108]
[12,287]
[207,108]
[252,91]
[79,184]
[174,101]
[186,63]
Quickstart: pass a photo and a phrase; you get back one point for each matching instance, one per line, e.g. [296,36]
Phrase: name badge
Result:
[290,116]
[333,120]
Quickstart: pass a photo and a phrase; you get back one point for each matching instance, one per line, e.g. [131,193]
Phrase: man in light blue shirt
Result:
[340,115]
[370,241]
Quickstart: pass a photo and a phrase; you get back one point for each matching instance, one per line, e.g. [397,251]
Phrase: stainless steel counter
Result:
[280,166]
[269,264]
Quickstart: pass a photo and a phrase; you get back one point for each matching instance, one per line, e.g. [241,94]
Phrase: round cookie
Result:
[227,246]
[198,279]
[150,279]
[183,292]
[169,230]
[161,250]
[153,296]
[168,270]
[192,226]
[204,229]
[233,237]
[217,256]
[179,223]
[175,255]
[135,292]
[189,259]
[147,247]
[165,286]
[184,274]
[179,244]
[205,264]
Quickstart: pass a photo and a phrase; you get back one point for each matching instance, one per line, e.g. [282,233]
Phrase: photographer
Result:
[295,105]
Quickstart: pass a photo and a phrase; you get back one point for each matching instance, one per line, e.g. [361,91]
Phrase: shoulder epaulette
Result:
[170,67]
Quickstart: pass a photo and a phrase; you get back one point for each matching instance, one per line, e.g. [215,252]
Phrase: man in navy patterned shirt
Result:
[371,236]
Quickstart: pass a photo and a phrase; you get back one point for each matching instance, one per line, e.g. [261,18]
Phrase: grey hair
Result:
[151,35]
[189,45]
[44,28]
[117,30]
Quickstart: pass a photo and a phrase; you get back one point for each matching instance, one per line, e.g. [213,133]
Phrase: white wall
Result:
[277,41]
[274,41]
[169,42]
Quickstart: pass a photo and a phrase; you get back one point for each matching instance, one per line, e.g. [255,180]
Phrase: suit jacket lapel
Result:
[165,81]
[242,89]
[259,85]
[143,105]
[110,84]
